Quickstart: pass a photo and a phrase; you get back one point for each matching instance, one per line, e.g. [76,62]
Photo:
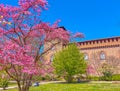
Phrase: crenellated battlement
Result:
[100,43]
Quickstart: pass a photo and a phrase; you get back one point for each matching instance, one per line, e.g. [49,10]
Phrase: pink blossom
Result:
[90,69]
[79,35]
[1,32]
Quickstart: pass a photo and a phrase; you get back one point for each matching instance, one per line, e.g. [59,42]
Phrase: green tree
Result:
[69,62]
[4,80]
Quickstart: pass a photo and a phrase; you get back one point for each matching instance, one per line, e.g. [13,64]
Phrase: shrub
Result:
[47,78]
[4,83]
[93,78]
[116,77]
[107,76]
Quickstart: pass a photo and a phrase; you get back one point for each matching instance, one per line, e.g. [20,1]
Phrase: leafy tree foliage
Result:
[69,62]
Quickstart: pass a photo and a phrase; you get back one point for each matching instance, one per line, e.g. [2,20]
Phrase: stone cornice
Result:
[100,47]
[100,43]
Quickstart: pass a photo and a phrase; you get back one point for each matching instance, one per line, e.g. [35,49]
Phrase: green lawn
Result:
[76,87]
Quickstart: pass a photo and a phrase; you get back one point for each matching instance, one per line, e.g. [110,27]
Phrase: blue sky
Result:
[95,18]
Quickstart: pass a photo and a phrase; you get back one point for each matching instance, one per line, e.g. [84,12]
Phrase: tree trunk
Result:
[25,88]
[26,83]
[69,79]
[4,88]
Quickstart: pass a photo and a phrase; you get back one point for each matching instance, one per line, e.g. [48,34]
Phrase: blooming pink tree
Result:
[22,39]
[90,70]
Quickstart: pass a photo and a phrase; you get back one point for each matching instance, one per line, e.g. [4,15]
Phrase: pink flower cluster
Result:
[91,69]
[34,4]
[13,54]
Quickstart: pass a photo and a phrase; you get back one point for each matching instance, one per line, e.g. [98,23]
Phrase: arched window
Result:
[86,56]
[102,56]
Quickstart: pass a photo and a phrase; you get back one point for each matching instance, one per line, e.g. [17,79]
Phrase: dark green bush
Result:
[51,78]
[47,78]
[107,76]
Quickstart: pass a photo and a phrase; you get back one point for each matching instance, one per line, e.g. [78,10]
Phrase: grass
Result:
[12,84]
[76,87]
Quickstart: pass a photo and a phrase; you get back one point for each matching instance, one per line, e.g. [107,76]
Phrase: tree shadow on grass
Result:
[81,82]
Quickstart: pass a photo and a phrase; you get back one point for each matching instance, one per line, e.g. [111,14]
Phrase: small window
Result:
[86,56]
[102,56]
